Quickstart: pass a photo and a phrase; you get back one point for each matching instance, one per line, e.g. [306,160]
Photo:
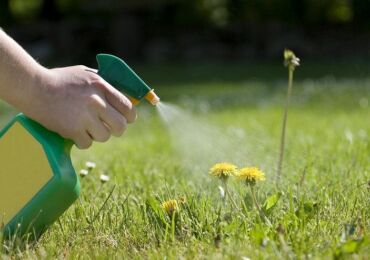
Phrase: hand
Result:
[74,101]
[79,105]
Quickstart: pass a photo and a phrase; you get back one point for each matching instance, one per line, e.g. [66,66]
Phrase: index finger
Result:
[120,102]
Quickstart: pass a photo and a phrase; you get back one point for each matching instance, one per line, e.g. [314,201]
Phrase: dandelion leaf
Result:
[271,202]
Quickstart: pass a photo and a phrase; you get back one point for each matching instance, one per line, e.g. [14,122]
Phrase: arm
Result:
[73,101]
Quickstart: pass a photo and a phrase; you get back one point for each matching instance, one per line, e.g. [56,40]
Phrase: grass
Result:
[323,207]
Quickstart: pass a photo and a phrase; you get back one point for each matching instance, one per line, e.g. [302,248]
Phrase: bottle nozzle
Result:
[152,98]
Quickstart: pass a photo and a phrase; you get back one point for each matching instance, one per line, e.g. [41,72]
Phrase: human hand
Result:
[79,105]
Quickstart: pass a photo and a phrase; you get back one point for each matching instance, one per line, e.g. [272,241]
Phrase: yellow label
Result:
[24,170]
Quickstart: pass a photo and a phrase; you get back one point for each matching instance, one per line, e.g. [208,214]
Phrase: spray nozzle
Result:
[152,98]
[117,73]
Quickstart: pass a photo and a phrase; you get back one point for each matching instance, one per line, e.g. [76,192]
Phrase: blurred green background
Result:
[62,32]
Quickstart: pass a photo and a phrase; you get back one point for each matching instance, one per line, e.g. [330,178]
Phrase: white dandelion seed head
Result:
[84,172]
[90,165]
[104,178]
[296,61]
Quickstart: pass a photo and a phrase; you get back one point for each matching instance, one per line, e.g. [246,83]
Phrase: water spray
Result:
[37,179]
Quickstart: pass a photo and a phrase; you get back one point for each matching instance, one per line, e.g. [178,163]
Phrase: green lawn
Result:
[235,115]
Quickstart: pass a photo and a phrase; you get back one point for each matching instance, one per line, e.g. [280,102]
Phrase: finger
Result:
[115,121]
[121,103]
[98,131]
[83,141]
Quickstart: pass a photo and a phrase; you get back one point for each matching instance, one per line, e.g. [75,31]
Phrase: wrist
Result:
[34,96]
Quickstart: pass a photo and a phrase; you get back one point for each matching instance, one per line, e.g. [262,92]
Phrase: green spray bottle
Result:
[37,179]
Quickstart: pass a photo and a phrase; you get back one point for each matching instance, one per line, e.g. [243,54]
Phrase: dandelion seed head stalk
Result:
[290,61]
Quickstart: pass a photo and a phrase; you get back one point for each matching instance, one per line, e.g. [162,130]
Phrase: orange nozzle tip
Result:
[152,98]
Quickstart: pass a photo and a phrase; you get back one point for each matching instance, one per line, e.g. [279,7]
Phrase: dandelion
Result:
[223,170]
[104,178]
[170,206]
[84,173]
[251,175]
[90,165]
[290,61]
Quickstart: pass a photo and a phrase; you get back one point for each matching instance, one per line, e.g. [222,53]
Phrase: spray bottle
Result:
[37,179]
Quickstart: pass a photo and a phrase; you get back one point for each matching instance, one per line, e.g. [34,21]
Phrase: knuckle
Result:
[97,81]
[92,79]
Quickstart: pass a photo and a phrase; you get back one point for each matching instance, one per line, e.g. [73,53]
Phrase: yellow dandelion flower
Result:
[223,170]
[170,206]
[251,175]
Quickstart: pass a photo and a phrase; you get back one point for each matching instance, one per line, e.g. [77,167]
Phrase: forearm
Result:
[20,74]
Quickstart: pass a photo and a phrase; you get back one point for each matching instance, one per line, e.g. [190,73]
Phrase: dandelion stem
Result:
[173,225]
[230,197]
[262,214]
[225,193]
[254,198]
[285,117]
